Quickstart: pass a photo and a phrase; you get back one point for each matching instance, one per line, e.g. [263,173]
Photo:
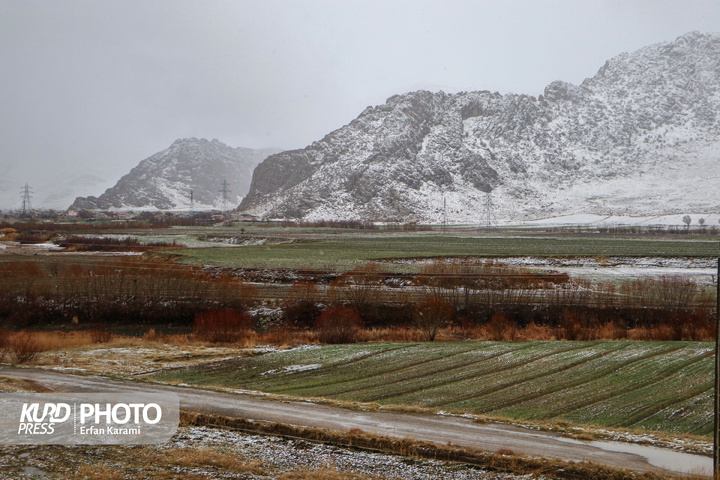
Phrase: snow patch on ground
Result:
[292,369]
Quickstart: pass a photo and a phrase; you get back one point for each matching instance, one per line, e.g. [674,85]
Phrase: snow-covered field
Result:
[587,219]
[701,270]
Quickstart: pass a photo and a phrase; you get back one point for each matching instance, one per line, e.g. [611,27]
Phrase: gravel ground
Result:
[275,457]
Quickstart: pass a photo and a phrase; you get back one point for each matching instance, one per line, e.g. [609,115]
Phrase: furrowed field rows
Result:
[344,253]
[663,386]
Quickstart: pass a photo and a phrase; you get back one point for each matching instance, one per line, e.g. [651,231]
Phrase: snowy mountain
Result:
[164,180]
[641,137]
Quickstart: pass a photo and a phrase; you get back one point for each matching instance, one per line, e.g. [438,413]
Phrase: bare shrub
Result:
[338,324]
[570,327]
[152,336]
[226,325]
[23,347]
[432,314]
[534,331]
[100,334]
[360,288]
[300,308]
[669,290]
[502,327]
[443,281]
[613,330]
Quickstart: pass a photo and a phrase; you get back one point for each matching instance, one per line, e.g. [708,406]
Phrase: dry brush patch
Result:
[79,243]
[204,457]
[26,346]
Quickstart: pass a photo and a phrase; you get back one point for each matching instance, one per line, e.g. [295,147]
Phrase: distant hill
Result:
[164,180]
[641,137]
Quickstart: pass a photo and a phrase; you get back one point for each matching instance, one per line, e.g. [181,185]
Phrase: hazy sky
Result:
[93,87]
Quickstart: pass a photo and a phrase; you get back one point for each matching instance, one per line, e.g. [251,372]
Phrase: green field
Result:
[345,252]
[664,386]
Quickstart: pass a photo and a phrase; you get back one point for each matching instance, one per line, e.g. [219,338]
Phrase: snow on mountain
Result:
[164,180]
[639,138]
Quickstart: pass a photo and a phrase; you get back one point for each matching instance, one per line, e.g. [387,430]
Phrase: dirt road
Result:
[439,429]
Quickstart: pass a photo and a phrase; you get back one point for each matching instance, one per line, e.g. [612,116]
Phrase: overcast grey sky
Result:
[93,87]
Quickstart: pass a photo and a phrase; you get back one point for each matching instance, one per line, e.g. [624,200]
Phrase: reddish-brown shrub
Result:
[100,334]
[536,332]
[612,331]
[338,324]
[502,327]
[570,327]
[225,325]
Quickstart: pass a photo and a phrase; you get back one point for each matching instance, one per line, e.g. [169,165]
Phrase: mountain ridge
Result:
[164,180]
[639,137]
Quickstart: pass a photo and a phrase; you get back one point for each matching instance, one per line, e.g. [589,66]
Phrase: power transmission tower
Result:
[26,192]
[489,211]
[444,214]
[225,193]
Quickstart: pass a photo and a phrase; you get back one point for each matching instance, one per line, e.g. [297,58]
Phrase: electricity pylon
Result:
[26,192]
[225,193]
[489,211]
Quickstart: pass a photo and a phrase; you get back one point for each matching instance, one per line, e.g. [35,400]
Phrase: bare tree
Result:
[687,220]
[432,314]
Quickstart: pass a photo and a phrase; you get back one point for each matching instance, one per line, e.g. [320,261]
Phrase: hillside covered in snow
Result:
[641,137]
[164,180]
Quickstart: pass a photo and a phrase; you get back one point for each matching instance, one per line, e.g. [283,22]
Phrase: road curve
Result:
[431,428]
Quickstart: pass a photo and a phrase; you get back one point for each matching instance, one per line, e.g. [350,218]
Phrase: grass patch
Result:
[659,386]
[346,252]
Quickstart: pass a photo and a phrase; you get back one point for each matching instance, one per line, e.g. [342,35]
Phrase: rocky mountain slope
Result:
[641,137]
[164,180]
